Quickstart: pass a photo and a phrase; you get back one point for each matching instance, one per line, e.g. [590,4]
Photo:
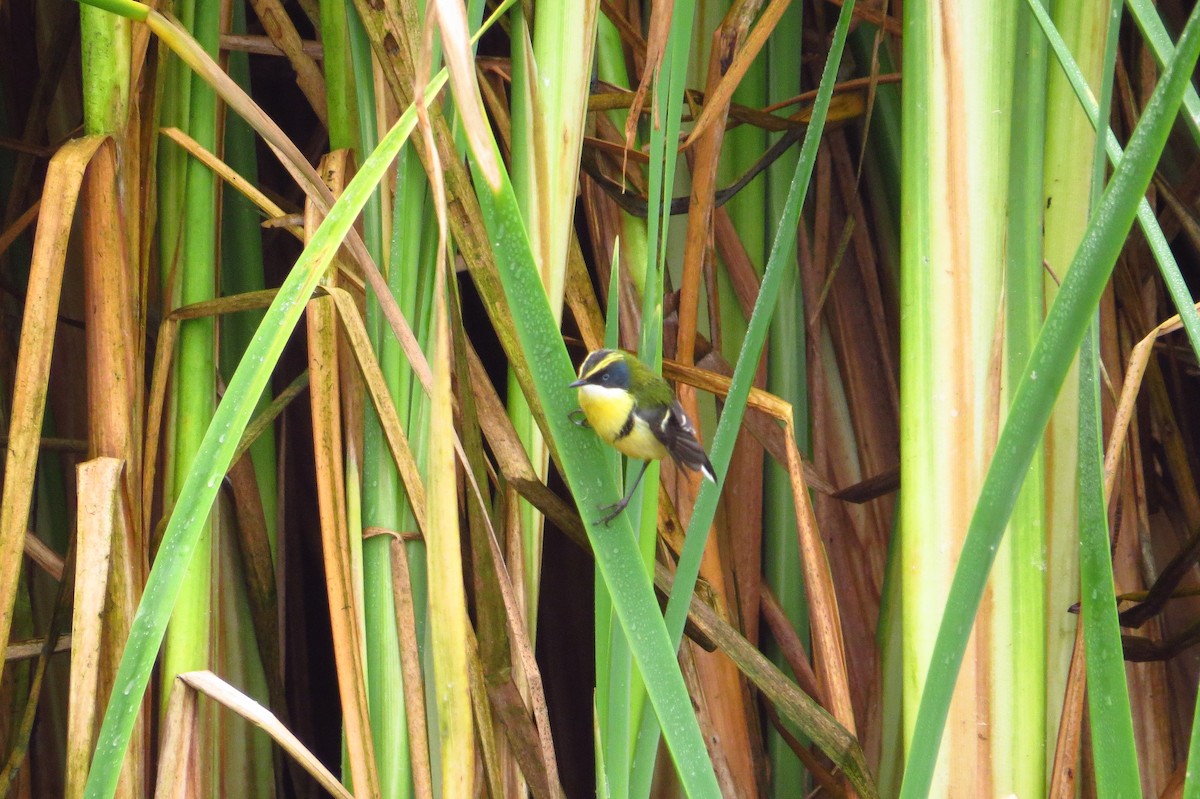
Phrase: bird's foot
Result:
[614,510]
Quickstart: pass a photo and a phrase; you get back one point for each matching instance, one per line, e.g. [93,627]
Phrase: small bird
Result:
[634,410]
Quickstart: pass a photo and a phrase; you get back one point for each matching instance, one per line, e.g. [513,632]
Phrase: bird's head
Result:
[605,369]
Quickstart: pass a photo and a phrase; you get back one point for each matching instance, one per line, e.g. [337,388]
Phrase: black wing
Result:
[676,433]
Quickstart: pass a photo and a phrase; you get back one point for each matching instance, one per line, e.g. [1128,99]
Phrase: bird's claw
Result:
[615,511]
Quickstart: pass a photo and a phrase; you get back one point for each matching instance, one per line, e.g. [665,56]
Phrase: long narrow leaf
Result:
[580,451]
[1191,783]
[1155,239]
[1039,385]
[1113,748]
[216,452]
[735,404]
[1146,16]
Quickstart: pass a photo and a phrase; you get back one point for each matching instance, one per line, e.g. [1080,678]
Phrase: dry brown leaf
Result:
[451,17]
[254,544]
[1138,360]
[1065,769]
[99,487]
[717,99]
[19,226]
[656,45]
[450,629]
[212,686]
[389,420]
[309,78]
[178,751]
[345,609]
[46,558]
[64,177]
[410,666]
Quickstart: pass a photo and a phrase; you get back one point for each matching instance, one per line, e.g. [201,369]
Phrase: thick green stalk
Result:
[1067,203]
[782,250]
[552,69]
[352,125]
[579,451]
[241,245]
[187,646]
[340,78]
[564,39]
[171,170]
[525,159]
[1019,659]
[384,507]
[953,198]
[185,527]
[617,700]
[610,66]
[1039,385]
[667,88]
[977,195]
[1177,288]
[106,48]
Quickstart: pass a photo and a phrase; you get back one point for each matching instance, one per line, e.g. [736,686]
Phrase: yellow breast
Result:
[607,411]
[641,443]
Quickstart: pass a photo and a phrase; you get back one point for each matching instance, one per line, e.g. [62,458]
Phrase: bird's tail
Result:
[688,452]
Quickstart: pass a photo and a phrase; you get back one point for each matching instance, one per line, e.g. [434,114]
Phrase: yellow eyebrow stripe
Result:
[603,363]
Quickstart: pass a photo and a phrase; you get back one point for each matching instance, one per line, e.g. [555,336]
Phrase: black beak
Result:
[577,383]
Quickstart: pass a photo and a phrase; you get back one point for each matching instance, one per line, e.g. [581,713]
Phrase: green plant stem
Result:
[196,496]
[688,568]
[188,644]
[1039,385]
[1176,286]
[1023,656]
[579,451]
[1113,748]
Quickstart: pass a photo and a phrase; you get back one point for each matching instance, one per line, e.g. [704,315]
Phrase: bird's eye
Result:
[605,377]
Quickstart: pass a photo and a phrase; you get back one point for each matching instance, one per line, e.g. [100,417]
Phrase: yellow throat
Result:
[608,410]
